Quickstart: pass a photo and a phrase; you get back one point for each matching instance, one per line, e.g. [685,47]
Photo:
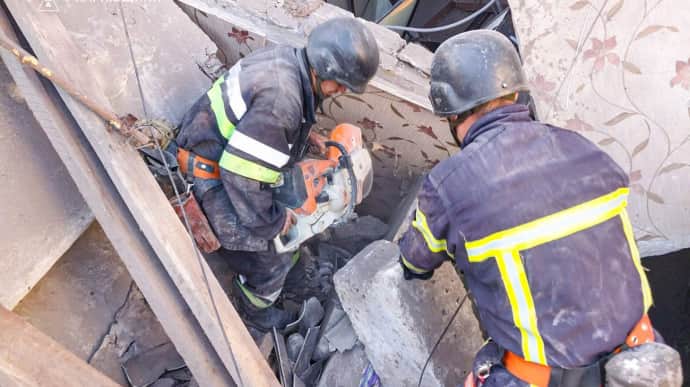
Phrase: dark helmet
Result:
[344,50]
[472,68]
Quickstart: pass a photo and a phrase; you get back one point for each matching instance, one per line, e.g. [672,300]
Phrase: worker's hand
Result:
[318,141]
[290,220]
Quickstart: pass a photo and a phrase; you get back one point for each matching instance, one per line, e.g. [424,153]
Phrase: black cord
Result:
[200,258]
[440,338]
[458,23]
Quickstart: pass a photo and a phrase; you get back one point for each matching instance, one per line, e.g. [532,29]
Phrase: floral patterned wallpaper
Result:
[618,72]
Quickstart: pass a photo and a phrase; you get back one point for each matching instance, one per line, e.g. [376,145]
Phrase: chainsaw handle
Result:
[346,161]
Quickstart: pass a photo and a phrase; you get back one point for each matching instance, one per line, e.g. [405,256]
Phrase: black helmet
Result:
[344,50]
[472,68]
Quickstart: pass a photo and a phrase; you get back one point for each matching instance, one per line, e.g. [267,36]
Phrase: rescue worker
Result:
[534,217]
[254,122]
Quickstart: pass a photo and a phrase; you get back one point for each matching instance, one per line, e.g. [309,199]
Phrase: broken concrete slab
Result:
[76,300]
[166,46]
[400,321]
[341,336]
[417,56]
[147,367]
[648,365]
[345,369]
[42,206]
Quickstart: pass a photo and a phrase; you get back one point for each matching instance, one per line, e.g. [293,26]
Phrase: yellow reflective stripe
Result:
[225,126]
[295,257]
[412,267]
[248,168]
[549,228]
[522,305]
[434,245]
[646,291]
[254,299]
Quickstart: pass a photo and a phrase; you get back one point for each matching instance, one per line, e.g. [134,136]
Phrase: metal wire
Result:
[199,258]
[458,23]
[178,197]
[440,338]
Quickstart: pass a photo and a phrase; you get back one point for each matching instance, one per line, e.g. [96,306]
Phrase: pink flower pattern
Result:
[600,51]
[682,75]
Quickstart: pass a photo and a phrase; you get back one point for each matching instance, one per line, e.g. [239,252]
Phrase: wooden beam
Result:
[28,357]
[112,213]
[198,286]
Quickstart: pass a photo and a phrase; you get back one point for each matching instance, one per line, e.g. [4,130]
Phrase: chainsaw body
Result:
[324,192]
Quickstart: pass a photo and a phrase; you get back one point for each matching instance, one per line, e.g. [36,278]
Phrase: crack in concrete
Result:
[113,321]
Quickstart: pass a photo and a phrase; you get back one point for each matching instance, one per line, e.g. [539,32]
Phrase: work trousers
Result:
[263,269]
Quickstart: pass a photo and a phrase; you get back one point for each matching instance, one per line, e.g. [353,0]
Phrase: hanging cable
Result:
[446,27]
[178,197]
[440,338]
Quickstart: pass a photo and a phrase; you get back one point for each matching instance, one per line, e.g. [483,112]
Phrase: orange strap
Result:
[539,374]
[527,371]
[202,168]
[641,333]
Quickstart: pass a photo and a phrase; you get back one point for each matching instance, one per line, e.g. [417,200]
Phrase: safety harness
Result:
[592,375]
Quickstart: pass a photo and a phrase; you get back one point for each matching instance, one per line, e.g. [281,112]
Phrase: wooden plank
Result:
[28,357]
[122,230]
[214,312]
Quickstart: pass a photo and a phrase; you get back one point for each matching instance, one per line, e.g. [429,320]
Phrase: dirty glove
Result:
[410,275]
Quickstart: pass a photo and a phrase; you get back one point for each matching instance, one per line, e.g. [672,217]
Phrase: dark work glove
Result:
[410,275]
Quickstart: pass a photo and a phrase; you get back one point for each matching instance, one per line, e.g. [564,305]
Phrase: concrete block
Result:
[417,56]
[400,321]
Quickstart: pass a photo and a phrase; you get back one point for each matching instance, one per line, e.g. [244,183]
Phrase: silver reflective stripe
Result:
[234,92]
[552,226]
[259,150]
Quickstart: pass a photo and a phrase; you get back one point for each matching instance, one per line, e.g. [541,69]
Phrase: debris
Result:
[284,366]
[341,336]
[651,364]
[334,313]
[295,342]
[266,345]
[344,369]
[417,56]
[399,321]
[306,352]
[144,369]
[311,375]
[310,315]
[164,382]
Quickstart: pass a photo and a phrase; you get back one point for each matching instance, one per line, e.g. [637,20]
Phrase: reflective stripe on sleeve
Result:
[248,169]
[225,126]
[258,149]
[233,93]
[412,267]
[434,245]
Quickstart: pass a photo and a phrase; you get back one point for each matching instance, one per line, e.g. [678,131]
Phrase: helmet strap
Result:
[452,124]
[318,93]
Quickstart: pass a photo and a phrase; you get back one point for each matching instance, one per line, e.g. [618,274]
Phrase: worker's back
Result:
[540,213]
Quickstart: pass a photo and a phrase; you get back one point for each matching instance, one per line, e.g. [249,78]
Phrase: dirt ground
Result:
[669,277]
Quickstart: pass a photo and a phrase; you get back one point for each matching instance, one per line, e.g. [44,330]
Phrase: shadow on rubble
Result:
[669,277]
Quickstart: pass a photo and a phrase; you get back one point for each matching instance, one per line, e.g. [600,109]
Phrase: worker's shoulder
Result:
[272,78]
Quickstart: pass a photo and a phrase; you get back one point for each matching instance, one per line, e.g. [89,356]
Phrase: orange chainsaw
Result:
[324,192]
